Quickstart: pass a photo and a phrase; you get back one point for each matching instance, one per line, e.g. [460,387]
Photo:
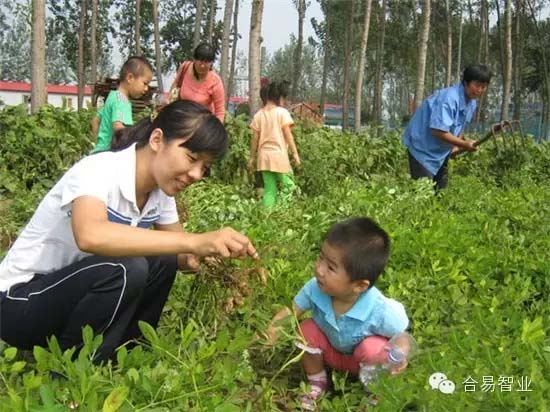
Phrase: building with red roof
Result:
[13,93]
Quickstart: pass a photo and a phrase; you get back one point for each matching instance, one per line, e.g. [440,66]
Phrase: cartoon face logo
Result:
[435,379]
[446,386]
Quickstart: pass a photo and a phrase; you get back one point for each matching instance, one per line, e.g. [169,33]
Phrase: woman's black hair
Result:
[204,52]
[182,118]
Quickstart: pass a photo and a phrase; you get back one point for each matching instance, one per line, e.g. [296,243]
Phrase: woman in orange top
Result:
[270,143]
[198,82]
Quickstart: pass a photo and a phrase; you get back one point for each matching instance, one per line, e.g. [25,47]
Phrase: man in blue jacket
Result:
[437,126]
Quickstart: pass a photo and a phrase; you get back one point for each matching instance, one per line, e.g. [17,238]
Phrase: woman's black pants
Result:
[109,294]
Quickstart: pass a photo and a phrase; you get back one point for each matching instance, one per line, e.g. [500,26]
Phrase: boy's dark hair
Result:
[478,72]
[204,52]
[365,247]
[182,118]
[135,65]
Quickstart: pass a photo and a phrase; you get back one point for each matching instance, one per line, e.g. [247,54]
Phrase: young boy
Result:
[351,319]
[116,113]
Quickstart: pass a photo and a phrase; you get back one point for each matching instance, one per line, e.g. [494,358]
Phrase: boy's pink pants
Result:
[370,350]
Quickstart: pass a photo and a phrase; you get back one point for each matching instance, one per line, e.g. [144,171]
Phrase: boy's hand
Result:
[272,335]
[251,164]
[297,160]
[95,126]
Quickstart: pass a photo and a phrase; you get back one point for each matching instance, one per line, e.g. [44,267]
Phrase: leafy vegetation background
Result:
[471,266]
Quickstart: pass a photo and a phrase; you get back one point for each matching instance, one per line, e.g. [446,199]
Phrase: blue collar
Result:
[360,310]
[462,103]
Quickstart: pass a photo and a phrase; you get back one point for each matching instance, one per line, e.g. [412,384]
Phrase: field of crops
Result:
[471,266]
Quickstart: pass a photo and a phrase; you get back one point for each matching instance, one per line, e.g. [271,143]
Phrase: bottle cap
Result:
[396,355]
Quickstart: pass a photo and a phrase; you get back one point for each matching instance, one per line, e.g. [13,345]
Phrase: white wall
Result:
[13,98]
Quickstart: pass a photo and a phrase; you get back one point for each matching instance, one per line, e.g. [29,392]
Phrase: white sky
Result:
[280,19]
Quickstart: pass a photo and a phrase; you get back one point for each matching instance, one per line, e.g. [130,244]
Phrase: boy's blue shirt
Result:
[447,110]
[371,314]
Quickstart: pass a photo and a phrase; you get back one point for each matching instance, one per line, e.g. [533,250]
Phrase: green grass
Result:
[472,268]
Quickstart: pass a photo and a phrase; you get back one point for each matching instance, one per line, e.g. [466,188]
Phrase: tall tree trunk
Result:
[379,83]
[459,57]
[483,56]
[233,49]
[471,12]
[211,20]
[519,57]
[361,65]
[405,96]
[482,29]
[198,24]
[487,40]
[347,59]
[449,43]
[422,52]
[434,64]
[157,45]
[326,58]
[224,60]
[544,132]
[500,39]
[81,74]
[93,44]
[254,55]
[39,95]
[508,66]
[301,6]
[138,28]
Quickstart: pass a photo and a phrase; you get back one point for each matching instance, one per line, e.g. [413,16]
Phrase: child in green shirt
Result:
[116,113]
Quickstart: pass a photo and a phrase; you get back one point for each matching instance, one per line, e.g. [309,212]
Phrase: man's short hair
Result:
[478,72]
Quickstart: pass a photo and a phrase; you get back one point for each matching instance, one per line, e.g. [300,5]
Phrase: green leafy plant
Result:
[471,267]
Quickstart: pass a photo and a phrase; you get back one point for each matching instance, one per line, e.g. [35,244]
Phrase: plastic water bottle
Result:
[399,350]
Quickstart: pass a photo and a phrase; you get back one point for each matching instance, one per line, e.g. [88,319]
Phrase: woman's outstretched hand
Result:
[225,242]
